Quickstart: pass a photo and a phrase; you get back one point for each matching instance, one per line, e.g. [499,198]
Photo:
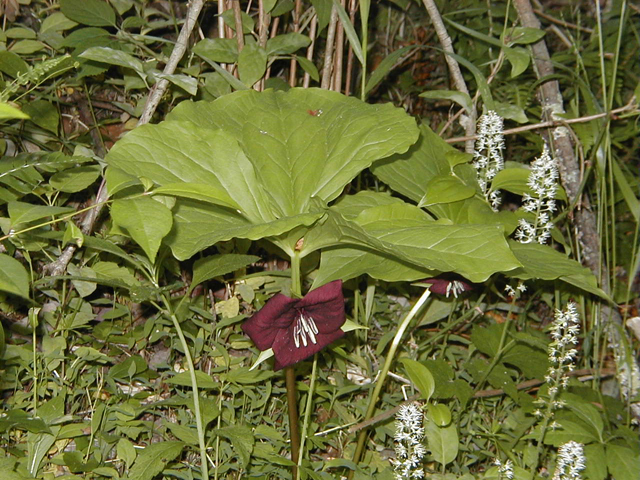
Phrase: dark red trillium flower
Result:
[448,285]
[296,328]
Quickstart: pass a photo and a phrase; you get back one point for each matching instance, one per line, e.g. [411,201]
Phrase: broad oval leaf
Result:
[443,442]
[287,43]
[146,220]
[113,57]
[304,142]
[89,12]
[420,376]
[13,276]
[252,63]
[75,179]
[217,265]
[154,458]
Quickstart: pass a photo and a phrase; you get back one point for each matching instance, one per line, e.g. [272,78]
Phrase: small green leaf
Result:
[461,98]
[439,414]
[184,379]
[287,43]
[146,220]
[420,376]
[8,112]
[523,35]
[23,212]
[12,64]
[57,22]
[44,114]
[75,179]
[89,12]
[511,112]
[154,459]
[185,82]
[217,265]
[113,57]
[224,50]
[246,376]
[308,66]
[252,64]
[241,439]
[26,47]
[126,452]
[519,59]
[248,23]
[443,442]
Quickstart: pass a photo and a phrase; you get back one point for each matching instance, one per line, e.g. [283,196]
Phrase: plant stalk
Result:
[290,374]
[204,466]
[362,437]
[307,412]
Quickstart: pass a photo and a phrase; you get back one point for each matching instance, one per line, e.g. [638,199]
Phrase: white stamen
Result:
[304,327]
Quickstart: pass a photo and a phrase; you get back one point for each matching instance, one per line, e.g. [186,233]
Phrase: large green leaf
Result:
[409,173]
[280,157]
[197,226]
[304,142]
[405,234]
[545,263]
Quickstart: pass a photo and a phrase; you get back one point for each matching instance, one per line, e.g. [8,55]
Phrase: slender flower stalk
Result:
[571,461]
[488,160]
[373,399]
[409,436]
[505,470]
[543,181]
[562,356]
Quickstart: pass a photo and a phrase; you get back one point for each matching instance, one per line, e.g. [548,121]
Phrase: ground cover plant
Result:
[319,239]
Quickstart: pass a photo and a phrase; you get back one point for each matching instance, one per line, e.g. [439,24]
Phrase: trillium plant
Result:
[273,166]
[298,328]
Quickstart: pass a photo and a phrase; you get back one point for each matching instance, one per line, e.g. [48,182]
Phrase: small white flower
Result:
[571,462]
[487,154]
[408,437]
[505,470]
[543,181]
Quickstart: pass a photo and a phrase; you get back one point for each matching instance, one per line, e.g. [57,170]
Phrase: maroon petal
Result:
[326,306]
[276,324]
[272,320]
[447,285]
[286,353]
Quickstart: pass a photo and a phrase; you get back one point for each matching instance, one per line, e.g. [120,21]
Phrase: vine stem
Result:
[385,370]
[204,466]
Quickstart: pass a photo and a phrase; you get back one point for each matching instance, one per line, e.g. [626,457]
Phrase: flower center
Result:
[305,330]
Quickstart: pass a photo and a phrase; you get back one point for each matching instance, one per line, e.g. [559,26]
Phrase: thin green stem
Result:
[307,412]
[290,374]
[204,465]
[362,437]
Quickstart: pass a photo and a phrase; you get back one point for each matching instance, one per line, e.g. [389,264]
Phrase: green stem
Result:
[362,437]
[307,412]
[290,373]
[204,465]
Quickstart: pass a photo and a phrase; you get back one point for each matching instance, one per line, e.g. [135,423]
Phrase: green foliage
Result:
[121,349]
